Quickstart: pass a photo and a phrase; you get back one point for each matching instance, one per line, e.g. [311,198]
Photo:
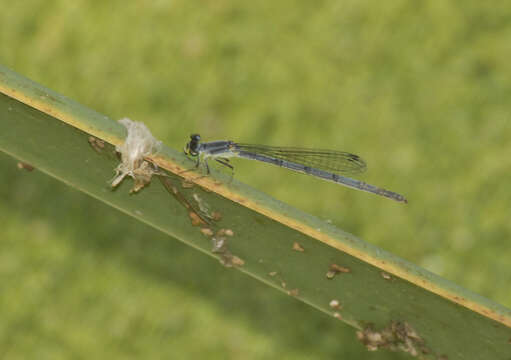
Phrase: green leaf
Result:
[392,303]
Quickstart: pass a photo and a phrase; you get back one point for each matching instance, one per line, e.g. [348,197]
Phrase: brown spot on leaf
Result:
[342,269]
[298,247]
[385,276]
[24,166]
[207,231]
[97,144]
[236,261]
[215,215]
[397,336]
[336,269]
[335,304]
[196,220]
[293,292]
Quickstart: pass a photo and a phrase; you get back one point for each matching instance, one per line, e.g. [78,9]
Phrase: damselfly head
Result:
[192,146]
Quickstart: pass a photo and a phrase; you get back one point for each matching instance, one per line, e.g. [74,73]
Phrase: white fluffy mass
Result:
[138,144]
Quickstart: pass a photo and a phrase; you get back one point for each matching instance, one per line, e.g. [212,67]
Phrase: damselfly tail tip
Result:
[399,198]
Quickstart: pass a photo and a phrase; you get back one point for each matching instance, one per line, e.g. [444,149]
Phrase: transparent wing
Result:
[328,160]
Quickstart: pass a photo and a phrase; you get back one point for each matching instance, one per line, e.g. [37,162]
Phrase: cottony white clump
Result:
[138,144]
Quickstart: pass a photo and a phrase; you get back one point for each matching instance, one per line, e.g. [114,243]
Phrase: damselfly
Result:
[329,165]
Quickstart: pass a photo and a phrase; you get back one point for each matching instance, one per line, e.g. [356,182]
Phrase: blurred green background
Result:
[419,89]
